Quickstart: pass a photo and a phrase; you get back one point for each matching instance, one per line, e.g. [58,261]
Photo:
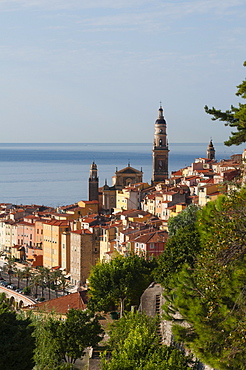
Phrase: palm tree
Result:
[42,278]
[9,267]
[64,283]
[48,277]
[19,274]
[45,274]
[36,281]
[27,273]
[55,278]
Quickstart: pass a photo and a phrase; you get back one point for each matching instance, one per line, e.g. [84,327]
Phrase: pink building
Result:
[150,244]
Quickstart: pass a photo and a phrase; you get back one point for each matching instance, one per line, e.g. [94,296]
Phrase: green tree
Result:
[16,341]
[55,280]
[234,117]
[181,249]
[19,274]
[182,246]
[118,280]
[35,283]
[187,217]
[63,284]
[27,274]
[59,342]
[135,345]
[42,277]
[9,267]
[210,296]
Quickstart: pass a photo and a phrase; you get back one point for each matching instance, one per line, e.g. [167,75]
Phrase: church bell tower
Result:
[160,150]
[211,150]
[93,182]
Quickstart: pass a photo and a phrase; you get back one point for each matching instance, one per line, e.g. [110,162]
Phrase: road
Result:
[22,284]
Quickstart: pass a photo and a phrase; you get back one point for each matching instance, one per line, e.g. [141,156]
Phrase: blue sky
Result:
[95,71]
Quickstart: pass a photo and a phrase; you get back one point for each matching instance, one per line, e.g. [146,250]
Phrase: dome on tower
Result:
[93,166]
[160,119]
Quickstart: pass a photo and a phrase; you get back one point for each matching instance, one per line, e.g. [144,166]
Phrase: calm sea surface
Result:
[57,174]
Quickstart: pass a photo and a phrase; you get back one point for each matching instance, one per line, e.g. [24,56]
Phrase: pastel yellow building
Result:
[88,207]
[130,197]
[210,192]
[177,208]
[107,241]
[65,251]
[52,232]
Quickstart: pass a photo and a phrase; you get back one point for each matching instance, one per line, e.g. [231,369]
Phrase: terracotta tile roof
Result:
[208,181]
[151,196]
[82,231]
[134,213]
[90,201]
[214,193]
[175,173]
[57,223]
[26,223]
[62,304]
[152,237]
[31,217]
[192,177]
[88,220]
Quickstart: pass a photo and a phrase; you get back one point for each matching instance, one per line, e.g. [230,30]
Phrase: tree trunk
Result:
[122,306]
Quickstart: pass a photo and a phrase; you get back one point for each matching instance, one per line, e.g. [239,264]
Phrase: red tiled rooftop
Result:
[82,231]
[62,304]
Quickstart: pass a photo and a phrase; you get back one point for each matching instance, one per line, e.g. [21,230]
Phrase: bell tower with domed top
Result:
[93,182]
[160,150]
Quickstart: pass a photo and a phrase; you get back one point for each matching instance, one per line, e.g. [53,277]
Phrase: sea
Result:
[57,174]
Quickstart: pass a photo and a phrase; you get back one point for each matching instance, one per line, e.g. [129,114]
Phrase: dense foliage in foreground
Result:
[210,292]
[135,345]
[16,341]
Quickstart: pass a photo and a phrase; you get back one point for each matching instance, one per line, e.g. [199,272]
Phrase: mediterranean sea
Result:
[57,174]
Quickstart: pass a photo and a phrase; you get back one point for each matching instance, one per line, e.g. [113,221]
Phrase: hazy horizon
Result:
[98,70]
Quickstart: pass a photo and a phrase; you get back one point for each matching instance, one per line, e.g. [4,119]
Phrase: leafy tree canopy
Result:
[187,217]
[234,117]
[16,341]
[59,342]
[210,296]
[182,246]
[120,279]
[134,344]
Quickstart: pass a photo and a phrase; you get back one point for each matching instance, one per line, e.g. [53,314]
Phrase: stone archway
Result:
[12,301]
[20,304]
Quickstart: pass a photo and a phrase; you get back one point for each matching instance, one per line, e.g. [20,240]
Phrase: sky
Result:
[96,71]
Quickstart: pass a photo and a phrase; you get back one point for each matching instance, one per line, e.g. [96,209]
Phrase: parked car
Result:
[11,286]
[40,299]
